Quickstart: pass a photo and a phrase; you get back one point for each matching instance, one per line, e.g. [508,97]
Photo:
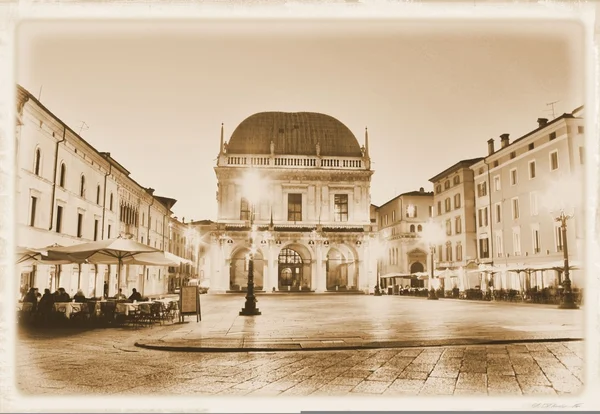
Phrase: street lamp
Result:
[251,189]
[377,249]
[560,199]
[432,235]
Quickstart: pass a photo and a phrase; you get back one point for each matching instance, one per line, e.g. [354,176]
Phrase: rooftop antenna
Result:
[40,93]
[551,105]
[83,126]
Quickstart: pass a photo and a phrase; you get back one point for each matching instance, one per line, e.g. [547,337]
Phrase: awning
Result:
[403,275]
[175,258]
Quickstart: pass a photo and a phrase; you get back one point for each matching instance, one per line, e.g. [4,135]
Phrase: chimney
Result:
[490,146]
[150,191]
[421,190]
[504,140]
[542,122]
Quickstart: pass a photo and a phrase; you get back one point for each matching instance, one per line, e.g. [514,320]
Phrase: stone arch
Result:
[417,267]
[341,268]
[294,267]
[238,268]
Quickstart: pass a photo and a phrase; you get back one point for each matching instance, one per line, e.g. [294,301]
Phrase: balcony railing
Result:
[295,161]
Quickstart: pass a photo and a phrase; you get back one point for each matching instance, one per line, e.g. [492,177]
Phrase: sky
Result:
[154,95]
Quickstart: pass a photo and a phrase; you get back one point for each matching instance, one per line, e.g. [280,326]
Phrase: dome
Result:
[293,133]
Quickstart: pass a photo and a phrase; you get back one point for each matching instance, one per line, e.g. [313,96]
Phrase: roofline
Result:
[447,171]
[538,129]
[425,193]
[104,155]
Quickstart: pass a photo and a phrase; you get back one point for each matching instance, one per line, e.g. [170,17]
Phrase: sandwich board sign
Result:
[189,302]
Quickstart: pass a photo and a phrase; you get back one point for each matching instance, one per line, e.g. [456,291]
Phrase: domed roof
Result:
[293,133]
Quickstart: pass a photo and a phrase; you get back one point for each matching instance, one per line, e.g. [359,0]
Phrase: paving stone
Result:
[357,373]
[371,387]
[410,385]
[414,375]
[353,381]
[502,384]
[333,390]
[474,366]
[438,386]
[537,390]
[505,369]
[530,380]
[420,367]
[444,372]
[384,374]
[472,380]
[250,385]
[470,392]
[527,369]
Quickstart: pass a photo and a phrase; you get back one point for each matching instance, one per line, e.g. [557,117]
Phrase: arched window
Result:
[111,202]
[63,175]
[37,161]
[82,186]
[419,228]
[412,228]
[289,256]
[98,194]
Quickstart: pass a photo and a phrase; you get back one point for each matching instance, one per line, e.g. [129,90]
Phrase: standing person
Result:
[105,289]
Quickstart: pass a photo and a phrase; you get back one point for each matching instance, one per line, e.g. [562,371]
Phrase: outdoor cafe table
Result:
[69,308]
[125,307]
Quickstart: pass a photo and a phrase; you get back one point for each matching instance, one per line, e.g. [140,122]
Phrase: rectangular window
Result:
[536,240]
[447,205]
[458,225]
[439,250]
[580,129]
[449,252]
[411,211]
[244,209]
[531,146]
[108,234]
[499,245]
[495,163]
[340,212]
[448,228]
[498,212]
[430,211]
[483,217]
[531,169]
[515,208]
[79,225]
[456,180]
[552,136]
[516,243]
[295,207]
[581,156]
[484,248]
[439,208]
[497,185]
[554,160]
[96,222]
[558,238]
[513,155]
[32,212]
[59,213]
[459,252]
[482,189]
[513,177]
[533,203]
[456,201]
[393,215]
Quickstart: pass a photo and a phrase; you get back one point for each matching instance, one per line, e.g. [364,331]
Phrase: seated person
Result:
[79,296]
[63,296]
[46,302]
[120,295]
[135,295]
[31,298]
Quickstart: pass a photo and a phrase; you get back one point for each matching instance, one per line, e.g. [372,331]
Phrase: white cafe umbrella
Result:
[26,255]
[111,251]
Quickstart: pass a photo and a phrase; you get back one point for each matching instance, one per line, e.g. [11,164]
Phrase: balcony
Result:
[296,161]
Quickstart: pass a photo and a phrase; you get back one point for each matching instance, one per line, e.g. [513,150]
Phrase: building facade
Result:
[455,213]
[67,192]
[307,218]
[402,253]
[516,197]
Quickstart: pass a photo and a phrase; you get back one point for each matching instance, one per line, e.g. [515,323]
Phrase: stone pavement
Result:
[313,322]
[107,362]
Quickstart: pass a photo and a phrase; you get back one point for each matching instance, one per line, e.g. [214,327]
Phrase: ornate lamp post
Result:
[251,189]
[432,235]
[562,196]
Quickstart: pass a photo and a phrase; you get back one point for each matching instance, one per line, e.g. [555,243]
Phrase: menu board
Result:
[189,302]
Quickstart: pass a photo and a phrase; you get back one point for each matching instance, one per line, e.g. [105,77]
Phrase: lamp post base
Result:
[377,292]
[568,302]
[249,312]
